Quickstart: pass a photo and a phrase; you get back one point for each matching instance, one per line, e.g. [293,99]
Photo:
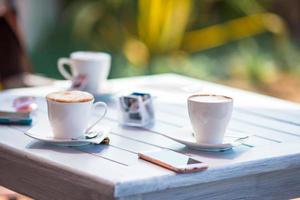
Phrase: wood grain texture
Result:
[279,185]
[43,180]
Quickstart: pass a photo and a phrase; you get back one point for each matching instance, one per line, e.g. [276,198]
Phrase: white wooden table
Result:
[266,167]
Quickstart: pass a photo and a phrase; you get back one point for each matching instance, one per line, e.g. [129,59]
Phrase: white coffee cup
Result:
[69,113]
[94,65]
[209,116]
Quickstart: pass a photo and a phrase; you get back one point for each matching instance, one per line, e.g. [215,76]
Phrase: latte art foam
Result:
[210,98]
[70,97]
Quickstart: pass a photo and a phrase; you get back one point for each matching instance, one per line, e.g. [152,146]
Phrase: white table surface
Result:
[267,165]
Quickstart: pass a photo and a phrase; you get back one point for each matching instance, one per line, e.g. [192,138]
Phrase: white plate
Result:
[42,132]
[185,136]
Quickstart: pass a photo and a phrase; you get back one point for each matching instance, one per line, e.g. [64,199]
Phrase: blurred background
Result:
[249,44]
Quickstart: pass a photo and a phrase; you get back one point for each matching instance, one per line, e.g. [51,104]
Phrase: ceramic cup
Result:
[94,65]
[209,116]
[69,113]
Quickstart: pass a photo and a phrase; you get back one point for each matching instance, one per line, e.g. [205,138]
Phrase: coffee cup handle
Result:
[61,68]
[95,105]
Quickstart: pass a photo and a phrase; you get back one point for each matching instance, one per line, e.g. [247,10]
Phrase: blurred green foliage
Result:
[147,37]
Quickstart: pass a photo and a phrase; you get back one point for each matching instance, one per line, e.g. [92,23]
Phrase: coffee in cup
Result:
[209,116]
[94,66]
[69,113]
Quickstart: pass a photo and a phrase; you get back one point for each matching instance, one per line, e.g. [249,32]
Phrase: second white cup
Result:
[209,116]
[94,65]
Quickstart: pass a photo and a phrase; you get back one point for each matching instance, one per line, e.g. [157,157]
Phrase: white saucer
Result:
[106,93]
[185,136]
[43,132]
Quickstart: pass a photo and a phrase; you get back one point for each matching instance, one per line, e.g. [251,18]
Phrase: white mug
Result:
[69,120]
[94,65]
[209,116]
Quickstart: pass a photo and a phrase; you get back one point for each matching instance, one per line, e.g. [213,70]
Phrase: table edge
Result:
[123,189]
[106,186]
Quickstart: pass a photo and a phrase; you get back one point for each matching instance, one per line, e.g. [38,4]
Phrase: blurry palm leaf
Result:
[161,26]
[235,29]
[162,23]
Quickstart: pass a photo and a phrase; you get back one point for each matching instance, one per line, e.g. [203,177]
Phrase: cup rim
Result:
[68,102]
[90,56]
[65,102]
[219,95]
